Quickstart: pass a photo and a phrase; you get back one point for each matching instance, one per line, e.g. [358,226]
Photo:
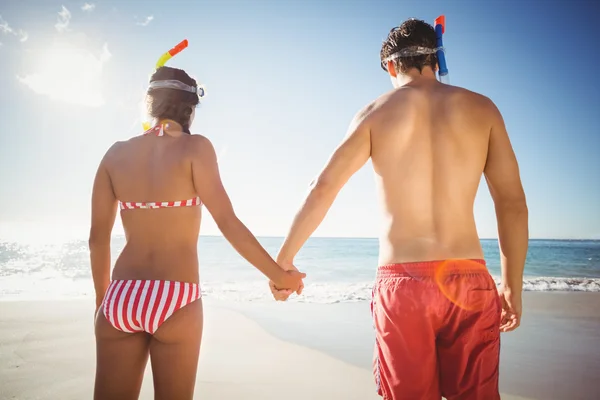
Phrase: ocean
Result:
[338,270]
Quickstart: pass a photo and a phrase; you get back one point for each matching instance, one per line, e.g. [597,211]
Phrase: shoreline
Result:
[317,293]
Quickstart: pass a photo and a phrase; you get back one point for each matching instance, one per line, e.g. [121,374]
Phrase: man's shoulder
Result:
[471,96]
[387,102]
[373,108]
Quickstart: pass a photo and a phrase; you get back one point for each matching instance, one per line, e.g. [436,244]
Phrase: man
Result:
[437,322]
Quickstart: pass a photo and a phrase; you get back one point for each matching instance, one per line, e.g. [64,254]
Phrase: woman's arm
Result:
[104,211]
[209,187]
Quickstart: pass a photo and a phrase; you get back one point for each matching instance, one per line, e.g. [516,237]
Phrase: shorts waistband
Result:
[433,268]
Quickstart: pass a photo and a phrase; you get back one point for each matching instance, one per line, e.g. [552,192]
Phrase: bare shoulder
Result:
[366,113]
[404,96]
[480,102]
[199,142]
[199,146]
[369,113]
[113,152]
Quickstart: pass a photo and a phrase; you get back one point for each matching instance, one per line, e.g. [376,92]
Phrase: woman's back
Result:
[151,303]
[162,241]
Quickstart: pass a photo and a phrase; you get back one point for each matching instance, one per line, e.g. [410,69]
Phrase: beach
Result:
[47,352]
[315,346]
[269,350]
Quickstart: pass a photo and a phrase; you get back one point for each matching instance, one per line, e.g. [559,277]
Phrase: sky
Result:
[283,81]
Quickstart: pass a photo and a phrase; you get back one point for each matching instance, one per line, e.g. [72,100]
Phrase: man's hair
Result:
[174,104]
[412,32]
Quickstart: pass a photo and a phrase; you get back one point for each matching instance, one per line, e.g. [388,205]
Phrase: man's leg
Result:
[469,343]
[405,362]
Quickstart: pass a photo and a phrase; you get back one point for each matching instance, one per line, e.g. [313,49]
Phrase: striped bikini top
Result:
[158,130]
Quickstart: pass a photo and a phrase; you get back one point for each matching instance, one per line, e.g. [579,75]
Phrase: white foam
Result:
[551,284]
[45,286]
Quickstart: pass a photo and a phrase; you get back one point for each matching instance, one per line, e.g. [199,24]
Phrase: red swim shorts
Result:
[437,331]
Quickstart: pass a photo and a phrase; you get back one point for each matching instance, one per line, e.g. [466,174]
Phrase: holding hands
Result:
[290,283]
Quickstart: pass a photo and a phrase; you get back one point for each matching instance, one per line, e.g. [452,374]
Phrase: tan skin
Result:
[162,245]
[429,144]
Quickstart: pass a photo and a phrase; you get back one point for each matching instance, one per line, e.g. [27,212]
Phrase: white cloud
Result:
[8,30]
[64,18]
[69,74]
[88,7]
[4,27]
[148,19]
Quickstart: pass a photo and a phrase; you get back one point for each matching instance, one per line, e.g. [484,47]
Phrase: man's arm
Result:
[104,211]
[209,187]
[503,179]
[347,159]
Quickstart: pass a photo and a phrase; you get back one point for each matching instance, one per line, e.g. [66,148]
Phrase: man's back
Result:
[429,145]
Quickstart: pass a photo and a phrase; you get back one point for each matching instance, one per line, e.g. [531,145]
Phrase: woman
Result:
[152,305]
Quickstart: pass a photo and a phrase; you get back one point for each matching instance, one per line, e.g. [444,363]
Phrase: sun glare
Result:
[69,74]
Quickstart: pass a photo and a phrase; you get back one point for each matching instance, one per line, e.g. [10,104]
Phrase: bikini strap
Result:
[157,130]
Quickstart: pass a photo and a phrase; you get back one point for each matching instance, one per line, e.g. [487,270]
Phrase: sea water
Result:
[338,270]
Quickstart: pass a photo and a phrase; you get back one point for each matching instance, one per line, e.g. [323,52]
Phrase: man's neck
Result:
[413,77]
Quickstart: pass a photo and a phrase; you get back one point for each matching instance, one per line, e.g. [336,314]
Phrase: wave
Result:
[328,293]
[25,287]
[552,284]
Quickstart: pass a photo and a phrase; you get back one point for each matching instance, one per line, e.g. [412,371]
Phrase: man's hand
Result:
[511,309]
[279,293]
[290,281]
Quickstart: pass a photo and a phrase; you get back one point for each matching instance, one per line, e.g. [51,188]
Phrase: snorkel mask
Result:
[172,83]
[439,51]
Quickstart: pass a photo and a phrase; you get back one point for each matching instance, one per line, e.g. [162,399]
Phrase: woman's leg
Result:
[174,351]
[120,361]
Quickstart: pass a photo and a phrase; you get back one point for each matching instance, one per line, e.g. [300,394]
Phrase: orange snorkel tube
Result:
[162,60]
[171,53]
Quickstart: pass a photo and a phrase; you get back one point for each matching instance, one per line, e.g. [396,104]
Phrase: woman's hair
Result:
[174,104]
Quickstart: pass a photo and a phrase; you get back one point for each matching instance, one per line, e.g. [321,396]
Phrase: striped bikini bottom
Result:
[142,306]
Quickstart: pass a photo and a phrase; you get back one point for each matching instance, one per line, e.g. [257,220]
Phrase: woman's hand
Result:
[280,293]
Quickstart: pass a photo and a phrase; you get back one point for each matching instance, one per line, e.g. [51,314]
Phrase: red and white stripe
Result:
[131,205]
[142,306]
[157,130]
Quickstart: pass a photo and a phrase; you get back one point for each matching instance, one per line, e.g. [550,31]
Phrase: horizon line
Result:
[376,238]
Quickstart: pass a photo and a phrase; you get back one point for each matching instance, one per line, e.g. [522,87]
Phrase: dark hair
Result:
[412,32]
[172,104]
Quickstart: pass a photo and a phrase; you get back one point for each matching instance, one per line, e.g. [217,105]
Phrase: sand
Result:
[47,352]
